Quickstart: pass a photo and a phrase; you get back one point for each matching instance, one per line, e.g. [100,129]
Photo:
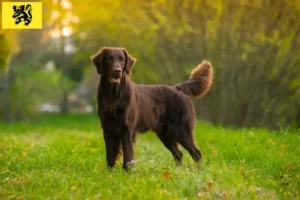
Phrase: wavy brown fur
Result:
[126,108]
[200,81]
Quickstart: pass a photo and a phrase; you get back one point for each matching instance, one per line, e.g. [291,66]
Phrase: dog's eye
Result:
[121,59]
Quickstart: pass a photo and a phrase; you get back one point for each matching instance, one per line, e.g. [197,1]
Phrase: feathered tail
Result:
[199,82]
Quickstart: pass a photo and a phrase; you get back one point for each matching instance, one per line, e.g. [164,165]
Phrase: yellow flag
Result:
[22,15]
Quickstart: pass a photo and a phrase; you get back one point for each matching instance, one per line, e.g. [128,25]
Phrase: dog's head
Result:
[113,63]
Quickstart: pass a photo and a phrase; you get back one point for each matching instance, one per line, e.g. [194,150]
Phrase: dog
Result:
[125,108]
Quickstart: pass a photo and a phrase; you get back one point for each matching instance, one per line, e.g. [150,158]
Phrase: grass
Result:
[58,157]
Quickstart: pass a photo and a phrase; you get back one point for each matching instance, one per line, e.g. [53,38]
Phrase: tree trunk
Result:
[64,109]
[7,114]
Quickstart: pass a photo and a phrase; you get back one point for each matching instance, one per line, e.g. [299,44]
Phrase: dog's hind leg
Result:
[187,141]
[173,147]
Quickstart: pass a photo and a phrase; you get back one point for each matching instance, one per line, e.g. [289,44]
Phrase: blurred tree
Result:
[8,47]
[24,76]
[4,52]
[253,46]
[4,76]
[61,49]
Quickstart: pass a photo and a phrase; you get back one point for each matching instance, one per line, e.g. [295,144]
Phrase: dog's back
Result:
[163,106]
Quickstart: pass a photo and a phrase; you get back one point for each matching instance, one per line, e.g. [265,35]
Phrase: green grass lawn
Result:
[58,157]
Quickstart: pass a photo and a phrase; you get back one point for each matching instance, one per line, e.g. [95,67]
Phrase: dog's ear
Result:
[98,60]
[129,62]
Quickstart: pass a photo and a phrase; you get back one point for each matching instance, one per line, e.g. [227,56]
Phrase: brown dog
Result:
[125,108]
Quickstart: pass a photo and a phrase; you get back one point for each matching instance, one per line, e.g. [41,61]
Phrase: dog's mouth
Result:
[115,79]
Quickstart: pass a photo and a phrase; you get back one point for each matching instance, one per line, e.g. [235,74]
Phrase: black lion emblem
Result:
[22,12]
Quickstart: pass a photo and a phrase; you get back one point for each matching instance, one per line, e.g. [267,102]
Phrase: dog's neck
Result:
[110,96]
[111,91]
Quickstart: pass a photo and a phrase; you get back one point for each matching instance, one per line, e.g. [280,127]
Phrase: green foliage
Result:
[27,87]
[253,46]
[60,157]
[4,52]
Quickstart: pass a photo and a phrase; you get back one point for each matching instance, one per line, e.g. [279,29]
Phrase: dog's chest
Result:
[110,108]
[113,119]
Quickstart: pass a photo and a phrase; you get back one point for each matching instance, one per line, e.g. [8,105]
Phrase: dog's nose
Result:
[118,70]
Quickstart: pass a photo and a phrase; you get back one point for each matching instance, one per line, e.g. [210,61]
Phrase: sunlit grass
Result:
[63,158]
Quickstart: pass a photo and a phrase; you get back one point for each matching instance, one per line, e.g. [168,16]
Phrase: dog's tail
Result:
[199,82]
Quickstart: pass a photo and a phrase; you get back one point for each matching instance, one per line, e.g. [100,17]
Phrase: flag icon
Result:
[22,15]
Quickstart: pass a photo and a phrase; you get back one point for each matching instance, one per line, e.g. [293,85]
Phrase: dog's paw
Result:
[129,166]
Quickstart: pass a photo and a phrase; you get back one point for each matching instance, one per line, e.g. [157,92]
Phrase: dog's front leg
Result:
[112,145]
[127,144]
